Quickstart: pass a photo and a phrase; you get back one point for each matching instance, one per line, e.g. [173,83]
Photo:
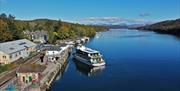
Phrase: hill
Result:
[12,29]
[166,27]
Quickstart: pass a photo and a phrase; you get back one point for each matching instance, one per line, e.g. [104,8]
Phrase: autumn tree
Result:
[5,35]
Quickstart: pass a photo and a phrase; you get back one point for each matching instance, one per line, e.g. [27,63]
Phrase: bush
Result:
[6,67]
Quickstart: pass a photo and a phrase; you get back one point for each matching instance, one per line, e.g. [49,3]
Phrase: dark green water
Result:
[136,61]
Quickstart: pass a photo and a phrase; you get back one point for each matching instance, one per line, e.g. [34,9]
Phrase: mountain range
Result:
[115,22]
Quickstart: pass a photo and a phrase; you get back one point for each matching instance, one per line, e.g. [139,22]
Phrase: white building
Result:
[13,50]
[52,53]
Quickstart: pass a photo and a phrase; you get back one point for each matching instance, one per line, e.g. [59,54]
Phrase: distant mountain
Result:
[115,22]
[167,27]
[120,26]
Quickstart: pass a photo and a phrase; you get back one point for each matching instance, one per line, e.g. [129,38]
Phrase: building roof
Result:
[14,46]
[31,68]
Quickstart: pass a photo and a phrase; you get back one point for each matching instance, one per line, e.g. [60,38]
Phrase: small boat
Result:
[88,56]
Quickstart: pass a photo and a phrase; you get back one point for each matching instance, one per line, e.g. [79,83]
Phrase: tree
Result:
[5,35]
[3,16]
[13,29]
[58,26]
[52,37]
[11,17]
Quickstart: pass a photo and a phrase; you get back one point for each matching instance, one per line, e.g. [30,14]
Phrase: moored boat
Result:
[88,56]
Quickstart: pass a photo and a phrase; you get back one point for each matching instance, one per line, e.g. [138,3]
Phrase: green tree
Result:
[5,35]
[11,17]
[3,16]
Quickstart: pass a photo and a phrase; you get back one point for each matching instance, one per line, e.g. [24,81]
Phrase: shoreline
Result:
[61,70]
[52,75]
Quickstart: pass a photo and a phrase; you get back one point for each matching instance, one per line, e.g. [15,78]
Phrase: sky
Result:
[91,10]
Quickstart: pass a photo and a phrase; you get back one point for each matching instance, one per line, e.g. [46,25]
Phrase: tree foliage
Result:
[12,29]
[5,35]
[167,27]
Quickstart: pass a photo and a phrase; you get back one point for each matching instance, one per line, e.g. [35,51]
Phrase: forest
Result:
[167,27]
[12,29]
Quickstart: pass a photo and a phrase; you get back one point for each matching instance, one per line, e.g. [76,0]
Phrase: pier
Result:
[53,69]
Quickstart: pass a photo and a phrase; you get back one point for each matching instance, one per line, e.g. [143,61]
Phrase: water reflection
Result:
[87,70]
[62,71]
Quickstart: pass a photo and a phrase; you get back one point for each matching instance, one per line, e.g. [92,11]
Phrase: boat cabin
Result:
[89,54]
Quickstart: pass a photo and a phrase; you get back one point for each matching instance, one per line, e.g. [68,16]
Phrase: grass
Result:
[6,67]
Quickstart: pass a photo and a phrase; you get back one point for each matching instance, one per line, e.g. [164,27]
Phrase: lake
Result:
[135,61]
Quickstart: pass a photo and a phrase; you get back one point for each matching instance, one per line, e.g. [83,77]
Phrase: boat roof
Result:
[87,50]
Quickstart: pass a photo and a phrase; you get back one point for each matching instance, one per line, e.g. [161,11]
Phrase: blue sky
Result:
[77,10]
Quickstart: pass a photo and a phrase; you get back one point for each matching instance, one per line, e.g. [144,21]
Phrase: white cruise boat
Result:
[88,56]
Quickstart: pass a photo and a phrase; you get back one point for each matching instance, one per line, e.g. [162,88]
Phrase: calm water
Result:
[136,61]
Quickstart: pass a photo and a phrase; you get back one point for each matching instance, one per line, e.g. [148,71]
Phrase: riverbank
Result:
[171,27]
[169,32]
[53,69]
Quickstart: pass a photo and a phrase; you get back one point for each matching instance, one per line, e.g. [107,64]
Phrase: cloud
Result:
[112,21]
[144,14]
